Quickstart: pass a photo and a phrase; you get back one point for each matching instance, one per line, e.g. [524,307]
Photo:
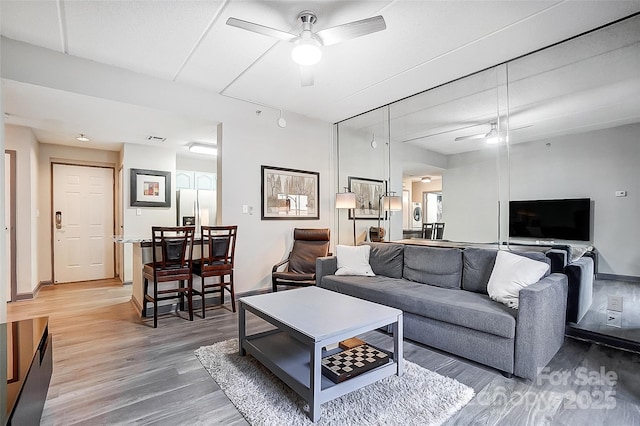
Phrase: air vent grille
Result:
[156,139]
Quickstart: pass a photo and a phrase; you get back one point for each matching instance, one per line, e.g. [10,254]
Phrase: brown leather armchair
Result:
[308,245]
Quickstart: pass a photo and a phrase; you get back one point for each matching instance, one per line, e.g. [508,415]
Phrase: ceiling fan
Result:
[307,50]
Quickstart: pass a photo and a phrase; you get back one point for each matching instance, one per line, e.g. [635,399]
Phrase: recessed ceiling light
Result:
[203,148]
[83,138]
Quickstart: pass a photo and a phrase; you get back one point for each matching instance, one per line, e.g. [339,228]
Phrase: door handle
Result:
[58,220]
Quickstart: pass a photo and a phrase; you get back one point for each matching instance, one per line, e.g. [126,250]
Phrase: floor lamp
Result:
[347,200]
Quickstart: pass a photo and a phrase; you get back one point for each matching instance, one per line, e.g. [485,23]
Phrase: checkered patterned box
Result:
[354,361]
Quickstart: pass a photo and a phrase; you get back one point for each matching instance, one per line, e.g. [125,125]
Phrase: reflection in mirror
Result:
[444,134]
[363,164]
[575,133]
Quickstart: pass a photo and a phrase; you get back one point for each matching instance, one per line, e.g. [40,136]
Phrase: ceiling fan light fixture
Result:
[307,52]
[493,137]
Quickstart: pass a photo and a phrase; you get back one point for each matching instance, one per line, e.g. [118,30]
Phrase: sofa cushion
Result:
[353,260]
[476,270]
[441,267]
[472,310]
[387,259]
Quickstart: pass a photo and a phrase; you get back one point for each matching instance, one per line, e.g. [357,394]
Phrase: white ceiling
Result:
[426,43]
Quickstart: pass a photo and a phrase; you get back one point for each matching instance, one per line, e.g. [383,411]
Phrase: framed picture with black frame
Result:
[150,188]
[368,193]
[289,194]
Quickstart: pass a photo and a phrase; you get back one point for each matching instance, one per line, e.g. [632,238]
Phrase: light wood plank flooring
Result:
[111,367]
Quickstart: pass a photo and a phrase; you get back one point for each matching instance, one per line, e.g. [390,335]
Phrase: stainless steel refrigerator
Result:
[196,207]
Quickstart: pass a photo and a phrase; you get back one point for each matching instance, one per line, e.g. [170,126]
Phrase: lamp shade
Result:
[392,203]
[345,200]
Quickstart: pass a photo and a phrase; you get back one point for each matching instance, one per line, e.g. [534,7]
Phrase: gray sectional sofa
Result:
[443,294]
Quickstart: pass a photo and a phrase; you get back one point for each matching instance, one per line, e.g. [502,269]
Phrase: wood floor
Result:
[110,367]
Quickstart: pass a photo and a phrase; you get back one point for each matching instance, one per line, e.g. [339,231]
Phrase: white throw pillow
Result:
[510,274]
[354,260]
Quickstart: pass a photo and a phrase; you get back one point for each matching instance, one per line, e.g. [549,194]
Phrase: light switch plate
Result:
[614,303]
[138,212]
[621,193]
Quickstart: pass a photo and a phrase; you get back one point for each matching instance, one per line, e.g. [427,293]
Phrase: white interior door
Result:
[82,223]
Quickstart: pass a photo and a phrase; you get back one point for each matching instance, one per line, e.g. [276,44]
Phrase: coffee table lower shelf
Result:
[289,360]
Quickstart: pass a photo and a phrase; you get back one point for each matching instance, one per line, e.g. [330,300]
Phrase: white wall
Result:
[470,197]
[23,141]
[48,154]
[249,142]
[139,226]
[205,164]
[593,165]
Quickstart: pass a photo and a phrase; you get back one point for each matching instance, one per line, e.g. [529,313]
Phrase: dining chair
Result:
[438,231]
[172,250]
[217,254]
[427,231]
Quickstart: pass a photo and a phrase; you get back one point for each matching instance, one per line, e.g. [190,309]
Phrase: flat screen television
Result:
[550,219]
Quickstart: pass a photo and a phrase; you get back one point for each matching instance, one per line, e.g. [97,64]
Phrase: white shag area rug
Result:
[419,397]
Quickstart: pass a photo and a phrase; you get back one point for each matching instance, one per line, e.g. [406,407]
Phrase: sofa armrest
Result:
[540,324]
[580,280]
[325,266]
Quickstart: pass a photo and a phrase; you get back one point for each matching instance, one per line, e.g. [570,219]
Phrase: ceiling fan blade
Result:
[306,76]
[470,137]
[260,29]
[351,30]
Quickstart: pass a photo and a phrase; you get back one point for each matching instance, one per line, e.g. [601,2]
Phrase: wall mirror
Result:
[560,123]
[575,133]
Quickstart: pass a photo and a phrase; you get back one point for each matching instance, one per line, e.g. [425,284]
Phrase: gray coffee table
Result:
[307,320]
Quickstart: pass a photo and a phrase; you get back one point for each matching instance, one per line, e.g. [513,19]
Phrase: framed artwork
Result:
[368,193]
[290,194]
[150,188]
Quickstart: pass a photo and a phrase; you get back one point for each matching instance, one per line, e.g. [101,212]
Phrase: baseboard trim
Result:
[33,294]
[602,339]
[616,277]
[197,302]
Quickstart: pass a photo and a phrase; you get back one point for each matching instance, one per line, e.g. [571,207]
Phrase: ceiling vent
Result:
[156,139]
